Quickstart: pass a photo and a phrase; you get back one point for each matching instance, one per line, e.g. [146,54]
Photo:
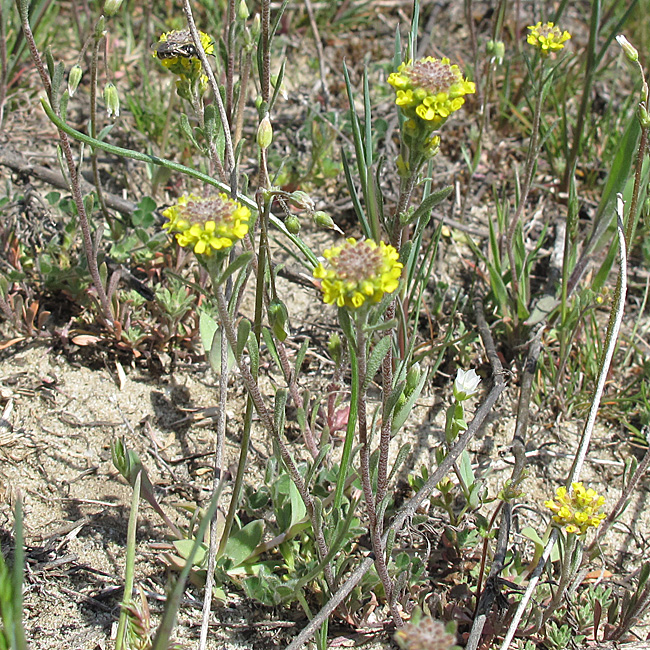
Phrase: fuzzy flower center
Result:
[357,263]
[433,75]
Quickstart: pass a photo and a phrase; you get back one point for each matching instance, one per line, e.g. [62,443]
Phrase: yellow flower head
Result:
[177,52]
[547,37]
[207,224]
[577,511]
[429,91]
[357,272]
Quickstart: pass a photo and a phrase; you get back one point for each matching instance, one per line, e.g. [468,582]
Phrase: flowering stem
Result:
[566,571]
[229,153]
[531,159]
[406,512]
[269,425]
[217,481]
[378,546]
[351,426]
[610,343]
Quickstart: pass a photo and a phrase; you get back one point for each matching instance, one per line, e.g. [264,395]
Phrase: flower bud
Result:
[630,51]
[644,118]
[496,50]
[278,319]
[74,78]
[292,224]
[100,27]
[323,220]
[412,378]
[256,26]
[302,200]
[112,100]
[265,133]
[334,348]
[111,7]
[242,11]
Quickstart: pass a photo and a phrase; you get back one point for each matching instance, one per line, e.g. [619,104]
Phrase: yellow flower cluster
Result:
[429,90]
[577,511]
[208,223]
[547,37]
[358,272]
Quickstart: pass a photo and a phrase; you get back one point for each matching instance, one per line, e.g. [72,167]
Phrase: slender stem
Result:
[129,570]
[217,480]
[72,170]
[531,159]
[566,571]
[230,62]
[230,155]
[351,426]
[3,65]
[366,481]
[93,123]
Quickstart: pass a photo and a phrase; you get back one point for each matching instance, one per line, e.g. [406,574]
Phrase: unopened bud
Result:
[100,27]
[630,51]
[302,200]
[644,118]
[323,220]
[496,50]
[112,100]
[111,7]
[278,319]
[74,78]
[256,26]
[412,378]
[265,133]
[292,224]
[242,11]
[334,348]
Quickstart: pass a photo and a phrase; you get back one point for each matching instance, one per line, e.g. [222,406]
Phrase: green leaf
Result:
[243,332]
[405,409]
[270,344]
[239,262]
[254,353]
[184,548]
[424,209]
[376,357]
[281,396]
[241,545]
[300,357]
[207,327]
[298,509]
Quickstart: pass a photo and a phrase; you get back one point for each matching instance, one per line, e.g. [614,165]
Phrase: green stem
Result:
[350,430]
[129,570]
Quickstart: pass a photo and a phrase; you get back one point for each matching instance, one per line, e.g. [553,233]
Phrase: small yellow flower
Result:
[577,511]
[358,272]
[177,52]
[207,223]
[429,90]
[547,37]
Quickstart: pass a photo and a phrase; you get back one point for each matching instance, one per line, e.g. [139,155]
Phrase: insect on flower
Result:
[178,44]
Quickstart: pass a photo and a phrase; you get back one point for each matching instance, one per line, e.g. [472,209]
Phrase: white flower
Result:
[466,384]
